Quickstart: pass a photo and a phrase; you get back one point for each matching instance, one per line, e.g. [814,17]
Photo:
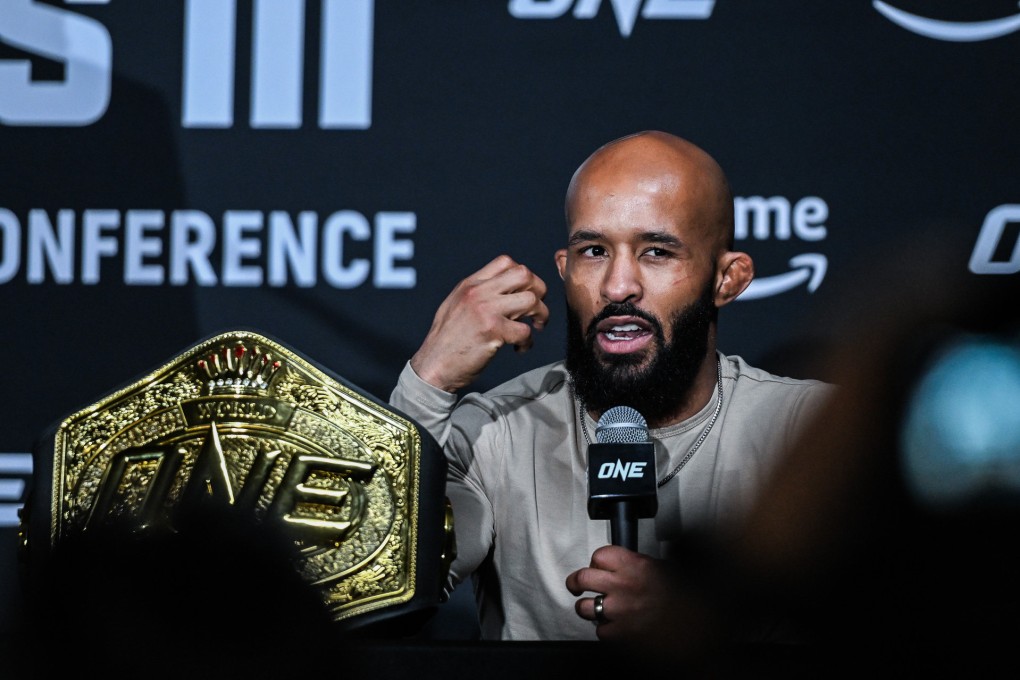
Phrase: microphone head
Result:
[621,425]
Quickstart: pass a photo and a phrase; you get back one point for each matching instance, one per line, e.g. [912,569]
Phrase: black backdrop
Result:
[853,133]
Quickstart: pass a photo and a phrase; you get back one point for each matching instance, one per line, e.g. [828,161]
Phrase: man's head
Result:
[648,262]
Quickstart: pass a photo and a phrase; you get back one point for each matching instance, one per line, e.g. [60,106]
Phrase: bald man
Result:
[649,260]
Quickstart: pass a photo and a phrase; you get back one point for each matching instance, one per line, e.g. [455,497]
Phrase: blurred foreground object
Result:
[884,536]
[887,529]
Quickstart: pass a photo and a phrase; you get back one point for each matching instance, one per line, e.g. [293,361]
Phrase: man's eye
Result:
[593,251]
[659,252]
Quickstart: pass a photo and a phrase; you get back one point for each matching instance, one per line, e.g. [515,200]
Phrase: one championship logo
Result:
[241,421]
[621,470]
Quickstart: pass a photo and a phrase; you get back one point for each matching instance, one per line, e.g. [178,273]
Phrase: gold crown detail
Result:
[239,370]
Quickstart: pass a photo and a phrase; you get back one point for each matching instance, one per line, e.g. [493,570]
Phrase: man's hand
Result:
[643,604]
[634,589]
[485,311]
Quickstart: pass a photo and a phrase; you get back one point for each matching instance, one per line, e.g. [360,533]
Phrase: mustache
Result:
[622,309]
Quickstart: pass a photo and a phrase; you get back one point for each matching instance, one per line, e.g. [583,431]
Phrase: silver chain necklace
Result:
[582,412]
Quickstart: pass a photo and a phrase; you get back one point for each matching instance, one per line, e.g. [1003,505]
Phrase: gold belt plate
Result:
[242,420]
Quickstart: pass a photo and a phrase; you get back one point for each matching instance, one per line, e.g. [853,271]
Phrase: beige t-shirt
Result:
[518,483]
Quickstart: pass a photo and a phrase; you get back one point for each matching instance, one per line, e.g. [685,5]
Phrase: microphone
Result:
[621,474]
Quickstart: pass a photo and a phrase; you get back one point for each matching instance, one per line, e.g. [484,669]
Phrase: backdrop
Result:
[325,171]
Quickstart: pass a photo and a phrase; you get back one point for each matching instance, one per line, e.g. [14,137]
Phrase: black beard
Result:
[660,387]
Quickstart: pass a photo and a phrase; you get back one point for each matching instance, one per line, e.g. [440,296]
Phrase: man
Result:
[649,260]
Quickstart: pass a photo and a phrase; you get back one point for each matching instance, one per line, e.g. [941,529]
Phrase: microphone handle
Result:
[623,525]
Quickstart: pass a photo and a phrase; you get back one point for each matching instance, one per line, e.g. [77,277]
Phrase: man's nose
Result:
[622,280]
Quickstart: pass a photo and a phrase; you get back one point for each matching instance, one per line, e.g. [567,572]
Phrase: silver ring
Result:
[600,616]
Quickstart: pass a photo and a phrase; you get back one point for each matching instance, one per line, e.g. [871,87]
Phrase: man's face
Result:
[639,271]
[655,380]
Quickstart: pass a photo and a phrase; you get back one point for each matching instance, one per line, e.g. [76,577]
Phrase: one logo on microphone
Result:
[624,471]
[950,31]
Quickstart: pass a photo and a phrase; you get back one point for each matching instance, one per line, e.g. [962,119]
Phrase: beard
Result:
[657,386]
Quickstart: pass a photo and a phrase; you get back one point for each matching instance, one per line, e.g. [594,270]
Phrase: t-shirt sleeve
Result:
[457,428]
[430,406]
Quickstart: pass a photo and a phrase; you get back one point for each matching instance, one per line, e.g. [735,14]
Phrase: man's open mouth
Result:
[616,335]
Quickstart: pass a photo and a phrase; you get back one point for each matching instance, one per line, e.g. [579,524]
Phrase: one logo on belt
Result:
[951,31]
[241,422]
[621,470]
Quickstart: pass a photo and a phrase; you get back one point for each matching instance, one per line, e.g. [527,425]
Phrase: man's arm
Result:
[485,311]
[459,436]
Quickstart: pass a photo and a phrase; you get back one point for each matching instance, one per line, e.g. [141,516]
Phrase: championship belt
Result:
[240,421]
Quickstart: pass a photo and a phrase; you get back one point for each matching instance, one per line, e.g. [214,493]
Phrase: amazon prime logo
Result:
[950,31]
[763,218]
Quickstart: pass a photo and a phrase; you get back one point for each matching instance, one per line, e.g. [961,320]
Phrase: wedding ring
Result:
[599,609]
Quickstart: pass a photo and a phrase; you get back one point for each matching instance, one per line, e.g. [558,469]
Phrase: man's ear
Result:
[733,275]
[561,262]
